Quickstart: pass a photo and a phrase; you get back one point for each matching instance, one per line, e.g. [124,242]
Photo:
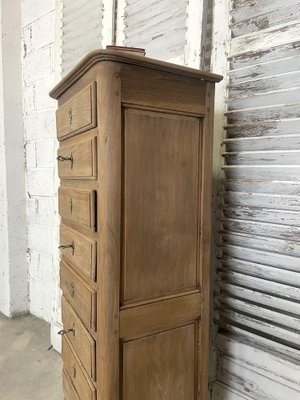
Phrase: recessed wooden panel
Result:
[78,205]
[79,337]
[79,294]
[78,160]
[161,366]
[161,194]
[78,114]
[72,365]
[80,251]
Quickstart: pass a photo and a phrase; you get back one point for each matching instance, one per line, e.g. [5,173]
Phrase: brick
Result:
[40,182]
[28,98]
[40,239]
[38,64]
[41,211]
[31,161]
[41,298]
[40,125]
[42,100]
[40,266]
[27,40]
[43,30]
[35,9]
[45,153]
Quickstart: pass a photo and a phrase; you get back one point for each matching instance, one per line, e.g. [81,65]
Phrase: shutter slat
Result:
[279,319]
[157,26]
[285,336]
[282,142]
[261,257]
[267,229]
[258,297]
[280,275]
[81,30]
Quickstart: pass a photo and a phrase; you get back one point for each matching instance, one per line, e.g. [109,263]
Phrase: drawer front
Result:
[78,160]
[79,251]
[69,390]
[78,114]
[81,341]
[82,384]
[78,206]
[80,295]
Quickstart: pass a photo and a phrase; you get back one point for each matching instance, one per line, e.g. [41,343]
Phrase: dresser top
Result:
[125,57]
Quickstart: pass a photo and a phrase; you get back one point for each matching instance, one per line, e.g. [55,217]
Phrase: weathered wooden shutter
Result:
[81,30]
[158,26]
[259,265]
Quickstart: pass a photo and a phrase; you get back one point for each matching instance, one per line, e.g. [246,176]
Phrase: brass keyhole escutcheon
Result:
[70,115]
[72,289]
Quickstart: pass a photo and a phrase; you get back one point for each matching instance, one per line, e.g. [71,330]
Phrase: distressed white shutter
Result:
[158,26]
[259,260]
[81,30]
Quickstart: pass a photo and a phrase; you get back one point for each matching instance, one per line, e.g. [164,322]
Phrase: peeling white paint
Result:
[82,29]
[258,292]
[157,26]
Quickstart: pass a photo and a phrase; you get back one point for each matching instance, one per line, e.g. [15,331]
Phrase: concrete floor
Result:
[28,370]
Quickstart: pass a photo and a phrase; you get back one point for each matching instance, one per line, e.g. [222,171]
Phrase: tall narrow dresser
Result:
[135,203]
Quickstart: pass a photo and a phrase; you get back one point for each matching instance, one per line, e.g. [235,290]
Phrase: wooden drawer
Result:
[79,251]
[81,341]
[79,294]
[69,390]
[78,206]
[78,160]
[81,382]
[78,114]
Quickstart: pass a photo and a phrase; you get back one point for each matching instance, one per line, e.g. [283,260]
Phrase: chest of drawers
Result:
[135,204]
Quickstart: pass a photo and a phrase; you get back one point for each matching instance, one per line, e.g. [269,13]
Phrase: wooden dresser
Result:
[135,204]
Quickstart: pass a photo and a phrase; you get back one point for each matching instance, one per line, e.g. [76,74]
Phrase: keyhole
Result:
[70,116]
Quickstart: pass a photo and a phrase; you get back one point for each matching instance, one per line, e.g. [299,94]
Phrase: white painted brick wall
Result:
[38,32]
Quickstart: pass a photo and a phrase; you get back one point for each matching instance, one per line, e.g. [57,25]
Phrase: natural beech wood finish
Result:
[81,382]
[80,295]
[109,221]
[78,160]
[80,251]
[80,339]
[205,242]
[78,206]
[120,57]
[144,87]
[161,165]
[135,234]
[161,366]
[78,114]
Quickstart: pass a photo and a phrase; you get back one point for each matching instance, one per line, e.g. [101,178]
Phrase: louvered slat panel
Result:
[157,26]
[81,30]
[259,199]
